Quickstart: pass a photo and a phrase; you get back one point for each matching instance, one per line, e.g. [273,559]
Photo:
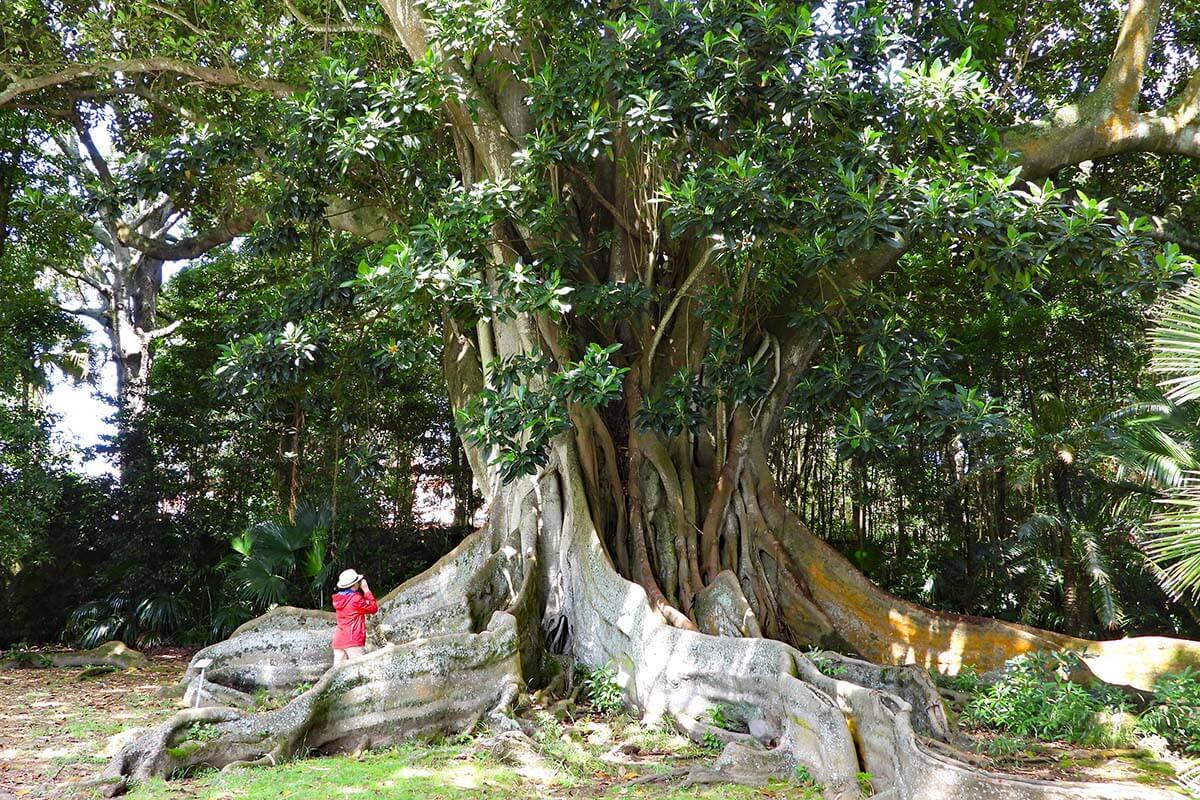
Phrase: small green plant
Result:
[1035,698]
[716,716]
[301,689]
[805,778]
[865,789]
[201,732]
[603,692]
[966,681]
[1001,746]
[824,664]
[712,742]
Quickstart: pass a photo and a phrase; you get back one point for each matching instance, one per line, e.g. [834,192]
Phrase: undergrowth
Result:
[602,690]
[1034,698]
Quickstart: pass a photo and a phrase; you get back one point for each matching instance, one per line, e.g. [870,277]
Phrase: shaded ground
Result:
[57,729]
[55,726]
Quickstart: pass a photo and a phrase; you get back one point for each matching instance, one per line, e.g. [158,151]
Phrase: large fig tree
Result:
[632,223]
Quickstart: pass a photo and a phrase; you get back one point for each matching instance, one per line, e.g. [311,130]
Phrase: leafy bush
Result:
[717,716]
[805,778]
[267,558]
[146,622]
[1034,699]
[967,681]
[603,691]
[1175,714]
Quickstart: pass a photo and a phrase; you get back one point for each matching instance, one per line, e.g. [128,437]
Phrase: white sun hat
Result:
[348,578]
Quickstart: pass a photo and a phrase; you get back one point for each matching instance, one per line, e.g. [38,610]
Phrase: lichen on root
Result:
[461,638]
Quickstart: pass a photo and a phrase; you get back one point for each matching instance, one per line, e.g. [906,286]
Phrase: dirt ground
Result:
[56,728]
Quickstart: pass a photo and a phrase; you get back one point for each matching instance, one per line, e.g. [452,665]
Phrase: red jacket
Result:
[352,608]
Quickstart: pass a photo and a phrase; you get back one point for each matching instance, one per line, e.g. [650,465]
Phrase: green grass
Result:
[411,772]
[448,772]
[90,724]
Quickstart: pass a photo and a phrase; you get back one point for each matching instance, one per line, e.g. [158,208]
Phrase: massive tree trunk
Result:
[456,644]
[130,321]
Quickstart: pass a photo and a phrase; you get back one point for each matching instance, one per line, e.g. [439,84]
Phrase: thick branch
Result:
[1122,81]
[153,64]
[166,330]
[1106,121]
[471,113]
[342,27]
[192,246]
[91,312]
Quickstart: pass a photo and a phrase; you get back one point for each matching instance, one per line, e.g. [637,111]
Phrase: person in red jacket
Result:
[352,603]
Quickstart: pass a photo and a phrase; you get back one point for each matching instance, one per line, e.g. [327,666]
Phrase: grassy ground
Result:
[57,730]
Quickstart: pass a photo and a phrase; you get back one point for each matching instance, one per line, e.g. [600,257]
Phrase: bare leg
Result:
[352,653]
[339,656]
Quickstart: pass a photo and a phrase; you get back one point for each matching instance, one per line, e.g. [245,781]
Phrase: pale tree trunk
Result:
[117,286]
[130,322]
[673,558]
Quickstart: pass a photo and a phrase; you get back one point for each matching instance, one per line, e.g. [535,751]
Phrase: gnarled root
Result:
[835,727]
[440,684]
[288,647]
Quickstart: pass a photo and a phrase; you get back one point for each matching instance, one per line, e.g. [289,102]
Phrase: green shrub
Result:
[717,717]
[1034,699]
[603,691]
[1175,714]
[805,778]
[966,681]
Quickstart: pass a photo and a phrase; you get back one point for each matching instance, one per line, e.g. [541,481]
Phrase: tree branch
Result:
[1106,121]
[79,277]
[1165,229]
[192,246]
[91,312]
[344,27]
[471,113]
[141,66]
[1122,81]
[665,322]
[165,330]
[98,162]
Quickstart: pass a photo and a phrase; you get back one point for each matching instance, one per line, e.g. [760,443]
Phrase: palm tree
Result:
[270,556]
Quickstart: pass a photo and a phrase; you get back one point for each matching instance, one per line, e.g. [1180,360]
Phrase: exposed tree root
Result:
[847,610]
[442,684]
[540,544]
[112,654]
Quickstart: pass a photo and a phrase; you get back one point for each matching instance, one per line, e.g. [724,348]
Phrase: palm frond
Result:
[1175,545]
[1104,593]
[1176,341]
